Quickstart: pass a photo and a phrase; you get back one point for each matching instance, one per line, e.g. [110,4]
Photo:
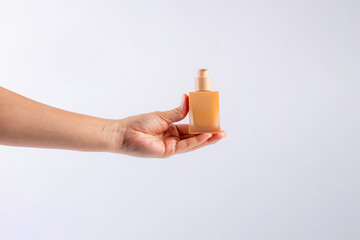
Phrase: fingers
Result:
[218,136]
[183,129]
[190,139]
[189,143]
[178,113]
[214,139]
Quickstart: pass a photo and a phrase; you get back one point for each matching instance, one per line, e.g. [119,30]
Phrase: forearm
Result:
[24,122]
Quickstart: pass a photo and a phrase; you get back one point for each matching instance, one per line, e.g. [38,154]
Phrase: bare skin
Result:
[27,123]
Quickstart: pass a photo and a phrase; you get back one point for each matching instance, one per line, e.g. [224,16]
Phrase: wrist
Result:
[113,135]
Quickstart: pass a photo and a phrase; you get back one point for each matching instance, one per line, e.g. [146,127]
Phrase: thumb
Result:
[178,113]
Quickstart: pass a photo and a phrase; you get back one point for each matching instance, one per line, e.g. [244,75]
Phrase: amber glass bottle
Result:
[204,114]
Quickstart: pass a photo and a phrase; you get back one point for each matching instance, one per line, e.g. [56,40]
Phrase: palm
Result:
[152,136]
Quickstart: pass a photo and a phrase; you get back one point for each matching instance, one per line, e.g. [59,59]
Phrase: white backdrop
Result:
[288,75]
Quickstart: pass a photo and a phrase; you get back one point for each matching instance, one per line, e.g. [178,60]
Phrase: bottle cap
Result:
[202,81]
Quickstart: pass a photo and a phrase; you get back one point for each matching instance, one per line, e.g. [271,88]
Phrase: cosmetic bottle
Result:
[204,114]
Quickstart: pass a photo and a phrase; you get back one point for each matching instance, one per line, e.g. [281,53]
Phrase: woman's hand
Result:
[155,135]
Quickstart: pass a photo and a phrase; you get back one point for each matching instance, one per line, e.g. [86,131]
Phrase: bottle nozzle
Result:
[202,73]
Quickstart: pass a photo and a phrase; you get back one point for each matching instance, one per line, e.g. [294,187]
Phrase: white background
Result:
[288,75]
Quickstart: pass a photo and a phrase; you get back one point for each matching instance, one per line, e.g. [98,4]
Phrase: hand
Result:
[155,135]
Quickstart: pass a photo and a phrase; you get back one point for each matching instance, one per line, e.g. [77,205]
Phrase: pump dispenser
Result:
[204,114]
[202,81]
